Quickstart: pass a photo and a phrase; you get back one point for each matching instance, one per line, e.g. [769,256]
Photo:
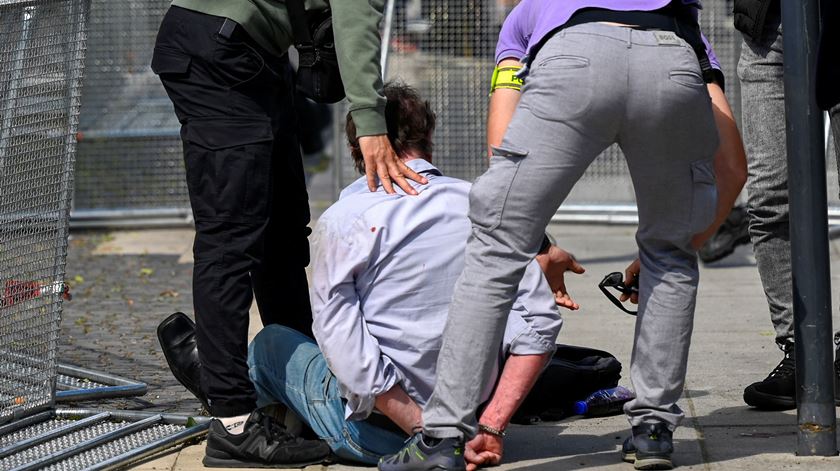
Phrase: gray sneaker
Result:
[425,454]
[649,447]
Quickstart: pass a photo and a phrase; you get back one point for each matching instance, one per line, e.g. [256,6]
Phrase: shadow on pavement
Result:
[725,435]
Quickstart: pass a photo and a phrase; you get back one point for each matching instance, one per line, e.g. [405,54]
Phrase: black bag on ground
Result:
[573,374]
[318,75]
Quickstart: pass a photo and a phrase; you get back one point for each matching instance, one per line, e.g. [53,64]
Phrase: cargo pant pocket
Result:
[704,195]
[167,61]
[490,192]
[228,164]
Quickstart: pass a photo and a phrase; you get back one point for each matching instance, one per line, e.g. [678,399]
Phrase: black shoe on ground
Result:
[778,390]
[424,454]
[734,231]
[649,447]
[176,335]
[263,444]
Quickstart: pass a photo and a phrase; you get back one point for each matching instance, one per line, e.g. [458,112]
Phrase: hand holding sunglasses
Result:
[615,280]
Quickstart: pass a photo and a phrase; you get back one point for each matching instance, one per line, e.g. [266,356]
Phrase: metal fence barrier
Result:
[41,55]
[445,49]
[129,167]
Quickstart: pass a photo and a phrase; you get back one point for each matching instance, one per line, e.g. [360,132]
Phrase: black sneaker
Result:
[263,444]
[649,447]
[419,454]
[778,390]
[734,231]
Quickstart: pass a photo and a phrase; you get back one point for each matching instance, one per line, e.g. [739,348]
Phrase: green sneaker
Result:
[419,454]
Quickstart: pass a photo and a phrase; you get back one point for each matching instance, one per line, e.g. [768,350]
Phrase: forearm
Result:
[730,163]
[518,377]
[401,409]
[358,46]
[502,105]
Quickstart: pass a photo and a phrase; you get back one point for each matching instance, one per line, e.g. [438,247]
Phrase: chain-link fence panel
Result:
[41,59]
[130,161]
[445,49]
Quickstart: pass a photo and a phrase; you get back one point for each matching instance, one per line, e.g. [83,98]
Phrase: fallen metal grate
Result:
[73,383]
[90,440]
[80,384]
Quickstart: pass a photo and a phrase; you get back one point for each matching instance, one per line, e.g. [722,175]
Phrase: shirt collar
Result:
[421,166]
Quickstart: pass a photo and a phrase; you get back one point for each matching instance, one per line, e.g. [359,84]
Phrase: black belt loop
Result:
[226,31]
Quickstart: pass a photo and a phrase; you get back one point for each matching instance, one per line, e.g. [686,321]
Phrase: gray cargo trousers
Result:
[761,70]
[590,85]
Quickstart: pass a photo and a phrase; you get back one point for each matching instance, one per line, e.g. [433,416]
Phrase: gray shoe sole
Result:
[652,462]
[647,463]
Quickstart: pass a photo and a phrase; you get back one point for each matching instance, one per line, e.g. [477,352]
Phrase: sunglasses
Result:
[615,280]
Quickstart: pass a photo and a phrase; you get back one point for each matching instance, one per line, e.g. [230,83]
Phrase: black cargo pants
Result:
[245,177]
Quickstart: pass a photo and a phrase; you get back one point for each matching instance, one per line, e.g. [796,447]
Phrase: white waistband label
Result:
[667,38]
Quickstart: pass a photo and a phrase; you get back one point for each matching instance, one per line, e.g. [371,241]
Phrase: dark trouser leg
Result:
[235,104]
[280,284]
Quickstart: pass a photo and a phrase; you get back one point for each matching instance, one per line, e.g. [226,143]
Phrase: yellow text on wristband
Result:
[505,77]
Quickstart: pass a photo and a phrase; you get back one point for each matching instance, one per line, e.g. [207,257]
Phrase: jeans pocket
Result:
[348,448]
[490,192]
[228,166]
[704,195]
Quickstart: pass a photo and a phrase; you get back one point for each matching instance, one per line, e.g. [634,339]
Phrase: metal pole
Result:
[386,37]
[808,232]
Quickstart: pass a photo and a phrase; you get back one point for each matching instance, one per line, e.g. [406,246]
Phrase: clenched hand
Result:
[483,450]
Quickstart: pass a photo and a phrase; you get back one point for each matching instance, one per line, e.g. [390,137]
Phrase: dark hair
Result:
[409,119]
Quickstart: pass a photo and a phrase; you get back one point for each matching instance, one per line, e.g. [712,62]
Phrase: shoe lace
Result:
[276,432]
[784,369]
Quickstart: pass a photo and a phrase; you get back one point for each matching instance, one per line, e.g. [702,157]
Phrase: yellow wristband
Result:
[505,77]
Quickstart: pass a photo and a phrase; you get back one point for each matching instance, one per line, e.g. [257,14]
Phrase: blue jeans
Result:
[288,367]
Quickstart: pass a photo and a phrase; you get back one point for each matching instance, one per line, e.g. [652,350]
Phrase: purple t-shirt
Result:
[531,20]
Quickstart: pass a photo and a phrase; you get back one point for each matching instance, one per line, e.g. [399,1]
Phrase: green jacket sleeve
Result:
[358,44]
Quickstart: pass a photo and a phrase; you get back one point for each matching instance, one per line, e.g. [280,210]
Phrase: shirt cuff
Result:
[529,342]
[360,406]
[369,121]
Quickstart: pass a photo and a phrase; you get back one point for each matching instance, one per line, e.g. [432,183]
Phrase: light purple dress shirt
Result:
[383,272]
